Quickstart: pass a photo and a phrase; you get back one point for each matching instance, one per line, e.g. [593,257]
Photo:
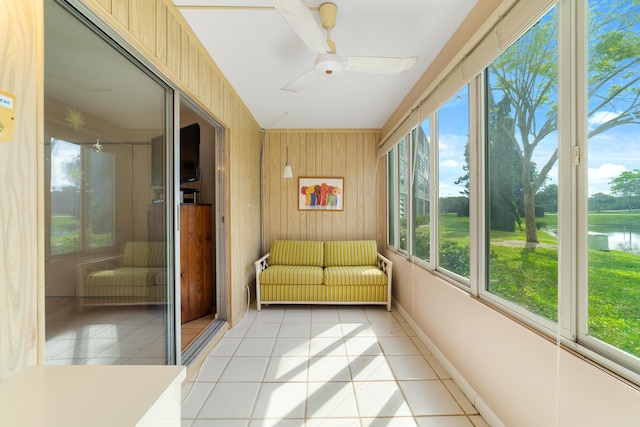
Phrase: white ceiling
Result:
[259,53]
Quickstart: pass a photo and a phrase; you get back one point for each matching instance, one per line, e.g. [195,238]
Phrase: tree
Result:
[627,186]
[526,76]
[600,202]
[548,198]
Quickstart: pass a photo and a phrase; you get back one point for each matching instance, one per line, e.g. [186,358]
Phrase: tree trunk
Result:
[530,213]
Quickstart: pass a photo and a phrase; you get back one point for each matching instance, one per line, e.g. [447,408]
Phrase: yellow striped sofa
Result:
[316,272]
[138,276]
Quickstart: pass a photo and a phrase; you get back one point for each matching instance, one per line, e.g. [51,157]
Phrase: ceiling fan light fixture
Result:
[329,63]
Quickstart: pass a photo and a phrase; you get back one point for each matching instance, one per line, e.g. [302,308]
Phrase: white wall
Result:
[512,369]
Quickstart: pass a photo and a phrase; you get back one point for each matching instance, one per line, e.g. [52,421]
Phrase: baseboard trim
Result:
[483,409]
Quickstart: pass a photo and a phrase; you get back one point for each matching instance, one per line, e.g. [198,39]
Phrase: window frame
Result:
[83,246]
[571,329]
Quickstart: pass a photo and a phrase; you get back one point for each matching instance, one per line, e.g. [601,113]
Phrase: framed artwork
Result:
[320,194]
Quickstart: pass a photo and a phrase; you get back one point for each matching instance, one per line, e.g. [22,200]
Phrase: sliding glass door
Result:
[109,275]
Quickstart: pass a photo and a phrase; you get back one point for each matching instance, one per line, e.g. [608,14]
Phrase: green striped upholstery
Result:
[354,275]
[323,294]
[297,252]
[350,253]
[291,275]
[144,254]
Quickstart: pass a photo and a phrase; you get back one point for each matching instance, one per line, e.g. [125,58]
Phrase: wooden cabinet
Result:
[196,284]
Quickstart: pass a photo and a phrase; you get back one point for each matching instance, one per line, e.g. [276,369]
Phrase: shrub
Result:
[455,257]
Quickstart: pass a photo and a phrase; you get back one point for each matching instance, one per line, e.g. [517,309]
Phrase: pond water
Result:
[621,238]
[627,241]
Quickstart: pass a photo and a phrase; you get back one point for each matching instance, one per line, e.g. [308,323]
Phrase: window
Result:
[534,243]
[82,202]
[453,184]
[611,305]
[421,190]
[521,147]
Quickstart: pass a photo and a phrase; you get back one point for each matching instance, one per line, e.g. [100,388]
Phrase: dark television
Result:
[190,153]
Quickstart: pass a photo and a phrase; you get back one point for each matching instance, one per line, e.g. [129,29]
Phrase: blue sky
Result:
[609,153]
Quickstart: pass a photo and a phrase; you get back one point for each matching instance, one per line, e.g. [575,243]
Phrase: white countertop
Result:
[96,396]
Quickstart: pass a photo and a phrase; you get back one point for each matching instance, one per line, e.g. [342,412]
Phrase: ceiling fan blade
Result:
[298,15]
[379,65]
[302,81]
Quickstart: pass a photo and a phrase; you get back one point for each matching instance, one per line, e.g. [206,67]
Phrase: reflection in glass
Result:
[108,279]
[422,190]
[403,190]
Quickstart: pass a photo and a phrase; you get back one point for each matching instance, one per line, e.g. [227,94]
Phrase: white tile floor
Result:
[120,335]
[299,366]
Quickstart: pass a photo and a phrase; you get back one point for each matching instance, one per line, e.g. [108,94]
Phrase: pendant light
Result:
[287,172]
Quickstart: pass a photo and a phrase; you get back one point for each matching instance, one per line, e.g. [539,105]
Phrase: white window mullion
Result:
[571,169]
[580,287]
[434,196]
[477,195]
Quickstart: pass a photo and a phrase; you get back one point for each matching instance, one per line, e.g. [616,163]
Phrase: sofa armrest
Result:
[387,267]
[88,267]
[261,265]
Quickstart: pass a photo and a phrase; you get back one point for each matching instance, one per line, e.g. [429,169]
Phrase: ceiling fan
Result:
[328,62]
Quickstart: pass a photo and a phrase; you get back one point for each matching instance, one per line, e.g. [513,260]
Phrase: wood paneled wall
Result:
[20,172]
[351,154]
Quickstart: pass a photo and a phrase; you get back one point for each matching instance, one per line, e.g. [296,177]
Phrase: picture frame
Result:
[321,194]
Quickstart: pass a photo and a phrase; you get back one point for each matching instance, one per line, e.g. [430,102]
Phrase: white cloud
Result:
[600,117]
[600,177]
[450,163]
[452,146]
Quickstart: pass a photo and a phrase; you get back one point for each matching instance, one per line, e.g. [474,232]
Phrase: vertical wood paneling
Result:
[351,193]
[106,4]
[215,92]
[370,158]
[174,43]
[292,186]
[20,173]
[302,165]
[205,80]
[362,202]
[184,55]
[143,22]
[161,33]
[120,11]
[194,55]
[337,168]
[349,154]
[382,203]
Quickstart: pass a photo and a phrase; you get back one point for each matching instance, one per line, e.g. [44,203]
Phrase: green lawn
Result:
[529,277]
[609,218]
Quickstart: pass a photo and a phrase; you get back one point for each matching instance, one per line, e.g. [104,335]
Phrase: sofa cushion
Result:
[144,254]
[297,252]
[350,252]
[354,275]
[127,277]
[291,275]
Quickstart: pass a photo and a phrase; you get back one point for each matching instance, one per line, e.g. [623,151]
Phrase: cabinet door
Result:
[184,264]
[200,292]
[195,261]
